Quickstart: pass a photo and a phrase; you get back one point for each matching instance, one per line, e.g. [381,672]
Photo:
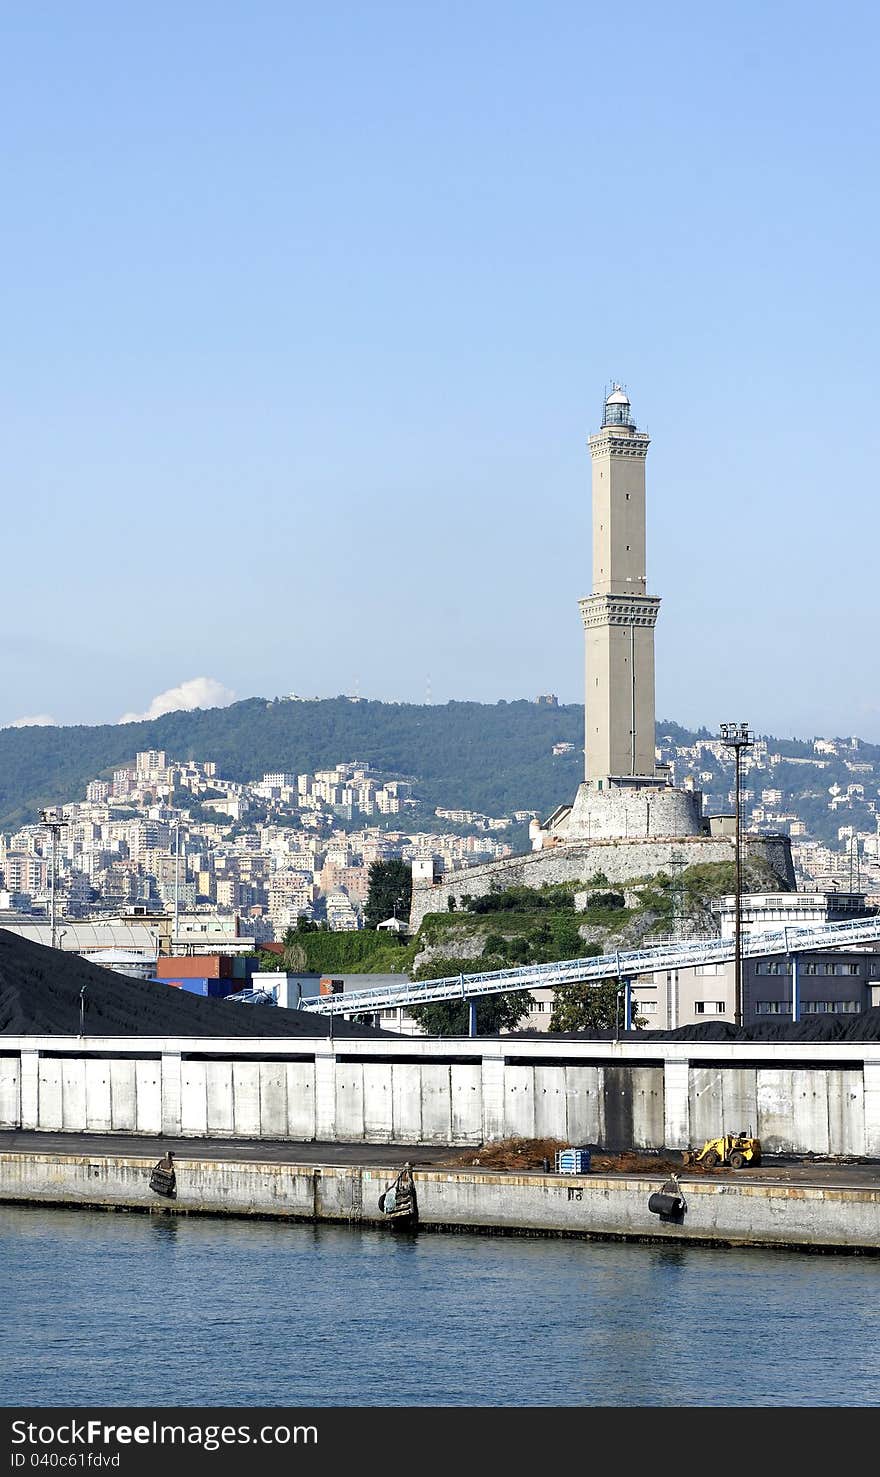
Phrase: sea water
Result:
[160,1310]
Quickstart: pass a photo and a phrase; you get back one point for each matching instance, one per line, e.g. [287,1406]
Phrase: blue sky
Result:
[309,310]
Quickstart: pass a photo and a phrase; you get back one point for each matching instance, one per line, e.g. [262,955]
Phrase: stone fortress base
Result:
[628,810]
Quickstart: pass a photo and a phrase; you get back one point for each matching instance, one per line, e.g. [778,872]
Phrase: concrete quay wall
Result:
[822,1099]
[604,1207]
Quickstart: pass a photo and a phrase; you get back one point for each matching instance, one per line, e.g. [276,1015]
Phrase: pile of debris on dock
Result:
[525,1155]
[46,992]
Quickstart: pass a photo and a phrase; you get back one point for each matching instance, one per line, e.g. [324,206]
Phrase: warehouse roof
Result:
[75,938]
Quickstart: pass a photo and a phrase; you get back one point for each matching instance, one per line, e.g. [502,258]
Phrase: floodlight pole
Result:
[176,825]
[52,874]
[54,822]
[737,736]
[623,993]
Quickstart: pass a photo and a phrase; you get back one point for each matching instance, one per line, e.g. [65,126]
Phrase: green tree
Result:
[293,960]
[501,1012]
[389,892]
[495,1013]
[605,900]
[588,1007]
[566,941]
[520,899]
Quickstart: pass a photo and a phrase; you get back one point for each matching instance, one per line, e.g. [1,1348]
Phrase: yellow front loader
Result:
[732,1149]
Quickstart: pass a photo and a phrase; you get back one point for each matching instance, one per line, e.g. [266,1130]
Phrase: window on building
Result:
[709,1007]
[707,969]
[647,1007]
[817,1007]
[772,966]
[771,1007]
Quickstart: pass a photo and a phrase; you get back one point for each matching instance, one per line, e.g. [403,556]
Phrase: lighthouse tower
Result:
[623,794]
[619,617]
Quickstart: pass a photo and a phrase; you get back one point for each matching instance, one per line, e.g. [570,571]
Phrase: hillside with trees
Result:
[491,757]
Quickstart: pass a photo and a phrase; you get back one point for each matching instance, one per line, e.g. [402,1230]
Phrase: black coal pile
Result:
[40,996]
[864,1027]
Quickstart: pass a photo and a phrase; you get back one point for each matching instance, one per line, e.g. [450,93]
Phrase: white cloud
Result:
[39,720]
[198,692]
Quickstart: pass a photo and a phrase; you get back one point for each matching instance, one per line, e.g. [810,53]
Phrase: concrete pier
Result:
[728,1210]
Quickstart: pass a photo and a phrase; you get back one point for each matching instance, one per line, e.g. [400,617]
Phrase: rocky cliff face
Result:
[652,913]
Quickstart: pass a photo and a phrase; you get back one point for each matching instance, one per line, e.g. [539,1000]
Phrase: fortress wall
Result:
[578,861]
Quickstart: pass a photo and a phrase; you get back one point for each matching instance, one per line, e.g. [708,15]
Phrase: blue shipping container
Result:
[243,966]
[195,985]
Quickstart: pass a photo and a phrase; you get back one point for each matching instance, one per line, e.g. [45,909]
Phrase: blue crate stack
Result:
[572,1161]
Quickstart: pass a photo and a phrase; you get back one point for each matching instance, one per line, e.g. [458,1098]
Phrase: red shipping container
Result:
[196,966]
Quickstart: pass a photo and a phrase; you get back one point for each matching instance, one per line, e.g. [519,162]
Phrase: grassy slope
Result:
[457,941]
